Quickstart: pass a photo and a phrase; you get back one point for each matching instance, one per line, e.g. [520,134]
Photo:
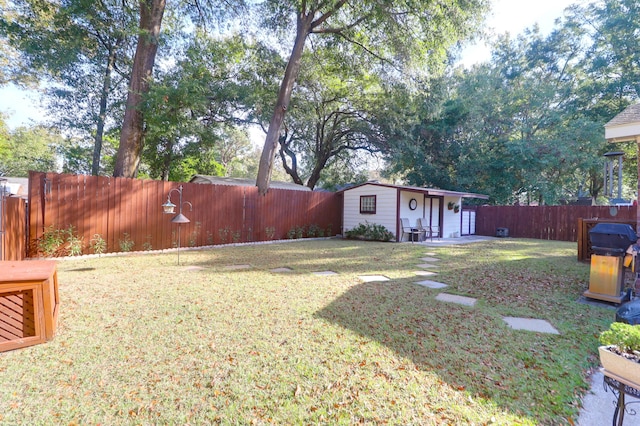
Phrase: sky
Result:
[511,16]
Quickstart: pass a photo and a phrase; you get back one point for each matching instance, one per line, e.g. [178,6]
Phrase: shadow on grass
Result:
[470,350]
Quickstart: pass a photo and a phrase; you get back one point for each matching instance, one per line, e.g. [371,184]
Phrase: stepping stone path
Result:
[427,266]
[454,298]
[425,273]
[193,268]
[283,269]
[528,324]
[373,278]
[236,267]
[325,273]
[431,284]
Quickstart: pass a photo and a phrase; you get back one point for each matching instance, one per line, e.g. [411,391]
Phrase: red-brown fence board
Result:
[14,238]
[112,207]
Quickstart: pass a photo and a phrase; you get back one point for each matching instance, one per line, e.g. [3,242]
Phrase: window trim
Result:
[375,204]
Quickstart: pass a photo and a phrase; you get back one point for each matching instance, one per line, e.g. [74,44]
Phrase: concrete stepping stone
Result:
[373,278]
[325,273]
[530,324]
[427,266]
[431,284]
[430,259]
[454,298]
[283,269]
[194,268]
[425,273]
[430,254]
[236,267]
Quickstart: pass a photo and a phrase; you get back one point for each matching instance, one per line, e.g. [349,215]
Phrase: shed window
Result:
[368,204]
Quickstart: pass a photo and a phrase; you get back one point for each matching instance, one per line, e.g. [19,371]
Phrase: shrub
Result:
[60,242]
[296,232]
[126,243]
[51,241]
[370,231]
[625,336]
[315,231]
[98,244]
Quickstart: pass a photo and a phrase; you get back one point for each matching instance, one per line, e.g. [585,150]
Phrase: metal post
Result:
[620,177]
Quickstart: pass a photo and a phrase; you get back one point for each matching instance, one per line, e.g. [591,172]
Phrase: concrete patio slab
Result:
[598,405]
[454,298]
[430,259]
[530,324]
[425,273]
[283,269]
[431,284]
[373,278]
[427,266]
[325,273]
[455,241]
[236,267]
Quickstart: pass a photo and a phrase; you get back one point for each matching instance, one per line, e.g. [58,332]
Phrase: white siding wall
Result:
[385,207]
[451,220]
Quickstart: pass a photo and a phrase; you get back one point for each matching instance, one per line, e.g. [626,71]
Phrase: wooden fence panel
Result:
[13,238]
[113,207]
[545,222]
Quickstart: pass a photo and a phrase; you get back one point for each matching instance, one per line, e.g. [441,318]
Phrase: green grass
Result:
[142,340]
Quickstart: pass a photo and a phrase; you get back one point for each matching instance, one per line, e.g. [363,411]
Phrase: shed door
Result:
[468,222]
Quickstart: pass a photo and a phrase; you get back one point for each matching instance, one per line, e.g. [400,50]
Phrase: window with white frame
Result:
[368,204]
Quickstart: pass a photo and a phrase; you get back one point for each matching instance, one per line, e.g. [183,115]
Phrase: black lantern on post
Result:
[169,208]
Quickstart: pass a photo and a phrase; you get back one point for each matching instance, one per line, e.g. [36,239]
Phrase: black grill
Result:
[611,239]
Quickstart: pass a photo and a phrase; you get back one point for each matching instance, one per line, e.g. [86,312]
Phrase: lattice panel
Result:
[17,317]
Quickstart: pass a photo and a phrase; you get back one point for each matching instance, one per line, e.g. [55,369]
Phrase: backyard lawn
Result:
[221,339]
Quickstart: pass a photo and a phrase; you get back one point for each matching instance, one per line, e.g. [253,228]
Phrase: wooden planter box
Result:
[28,303]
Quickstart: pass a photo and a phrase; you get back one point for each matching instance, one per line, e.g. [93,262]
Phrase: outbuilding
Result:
[386,204]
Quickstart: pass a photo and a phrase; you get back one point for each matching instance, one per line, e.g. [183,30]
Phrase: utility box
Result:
[502,232]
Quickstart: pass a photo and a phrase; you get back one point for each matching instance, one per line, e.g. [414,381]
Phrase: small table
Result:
[29,303]
[620,387]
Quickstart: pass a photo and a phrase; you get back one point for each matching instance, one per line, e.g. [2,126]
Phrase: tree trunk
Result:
[106,90]
[284,96]
[131,137]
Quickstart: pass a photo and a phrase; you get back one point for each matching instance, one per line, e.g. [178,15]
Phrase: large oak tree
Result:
[413,33]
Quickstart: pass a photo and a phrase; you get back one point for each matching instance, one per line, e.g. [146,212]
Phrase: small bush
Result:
[315,231]
[625,336]
[98,244]
[296,232]
[370,231]
[60,242]
[126,243]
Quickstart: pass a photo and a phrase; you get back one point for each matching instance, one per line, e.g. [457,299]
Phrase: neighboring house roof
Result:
[17,186]
[625,126]
[427,191]
[219,180]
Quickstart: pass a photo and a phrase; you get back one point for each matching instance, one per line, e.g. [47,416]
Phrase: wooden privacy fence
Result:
[13,228]
[546,222]
[124,211]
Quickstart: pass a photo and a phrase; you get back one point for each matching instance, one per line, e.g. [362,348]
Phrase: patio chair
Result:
[407,229]
[426,230]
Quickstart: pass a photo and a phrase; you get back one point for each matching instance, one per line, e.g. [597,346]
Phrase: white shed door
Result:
[468,222]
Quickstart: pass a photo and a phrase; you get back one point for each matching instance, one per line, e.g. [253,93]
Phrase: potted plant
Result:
[620,353]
